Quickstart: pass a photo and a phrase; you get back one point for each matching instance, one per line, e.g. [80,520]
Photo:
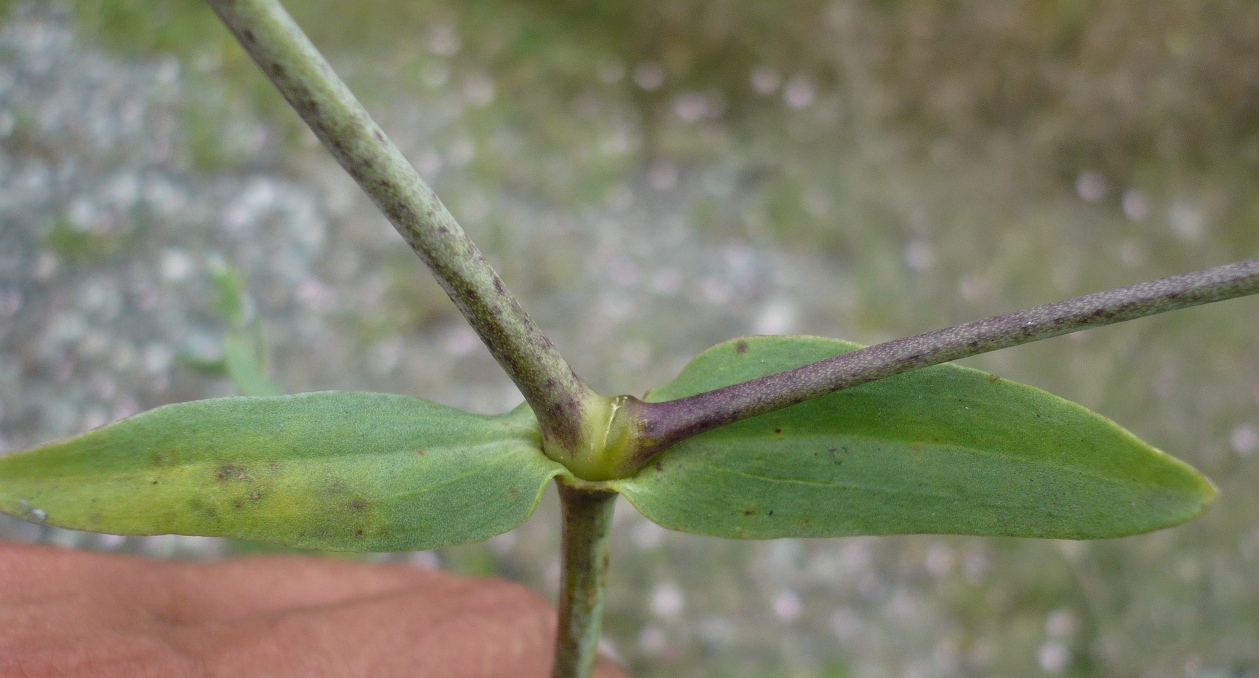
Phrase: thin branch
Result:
[660,425]
[299,71]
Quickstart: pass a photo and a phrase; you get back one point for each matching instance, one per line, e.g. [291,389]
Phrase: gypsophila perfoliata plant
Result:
[758,438]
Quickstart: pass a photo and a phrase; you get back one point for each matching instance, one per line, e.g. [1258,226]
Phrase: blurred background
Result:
[651,178]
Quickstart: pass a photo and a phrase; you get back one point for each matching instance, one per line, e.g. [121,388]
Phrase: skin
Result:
[79,613]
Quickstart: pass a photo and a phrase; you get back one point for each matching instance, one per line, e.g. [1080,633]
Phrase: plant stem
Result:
[659,425]
[283,52]
[587,519]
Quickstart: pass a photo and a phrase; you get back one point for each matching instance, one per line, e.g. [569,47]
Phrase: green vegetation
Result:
[912,139]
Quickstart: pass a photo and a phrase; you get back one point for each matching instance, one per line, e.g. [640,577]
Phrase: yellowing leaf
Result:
[332,470]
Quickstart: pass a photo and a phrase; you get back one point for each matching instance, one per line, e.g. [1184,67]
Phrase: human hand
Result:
[80,613]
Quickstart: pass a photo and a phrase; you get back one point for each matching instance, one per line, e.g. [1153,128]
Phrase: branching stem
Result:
[587,519]
[299,71]
[659,425]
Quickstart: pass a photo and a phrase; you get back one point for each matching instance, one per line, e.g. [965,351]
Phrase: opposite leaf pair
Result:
[939,450]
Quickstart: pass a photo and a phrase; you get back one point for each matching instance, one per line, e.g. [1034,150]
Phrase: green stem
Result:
[587,519]
[558,397]
[652,427]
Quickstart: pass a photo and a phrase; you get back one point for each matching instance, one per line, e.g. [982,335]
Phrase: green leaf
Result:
[242,356]
[334,470]
[945,450]
[229,283]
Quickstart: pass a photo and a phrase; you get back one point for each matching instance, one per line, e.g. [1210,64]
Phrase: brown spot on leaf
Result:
[358,505]
[275,468]
[993,377]
[358,532]
[420,453]
[741,347]
[660,466]
[514,493]
[255,495]
[232,472]
[749,511]
[207,510]
[778,429]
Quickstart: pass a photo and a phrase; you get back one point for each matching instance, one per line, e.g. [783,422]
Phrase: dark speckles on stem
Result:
[277,71]
[248,36]
[380,136]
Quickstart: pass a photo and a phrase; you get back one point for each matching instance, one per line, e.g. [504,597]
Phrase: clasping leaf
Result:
[333,470]
[944,449]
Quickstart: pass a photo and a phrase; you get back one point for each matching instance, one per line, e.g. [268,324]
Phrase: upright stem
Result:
[275,42]
[587,519]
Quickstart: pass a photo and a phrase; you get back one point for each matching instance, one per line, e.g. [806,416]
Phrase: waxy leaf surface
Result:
[333,470]
[946,450]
